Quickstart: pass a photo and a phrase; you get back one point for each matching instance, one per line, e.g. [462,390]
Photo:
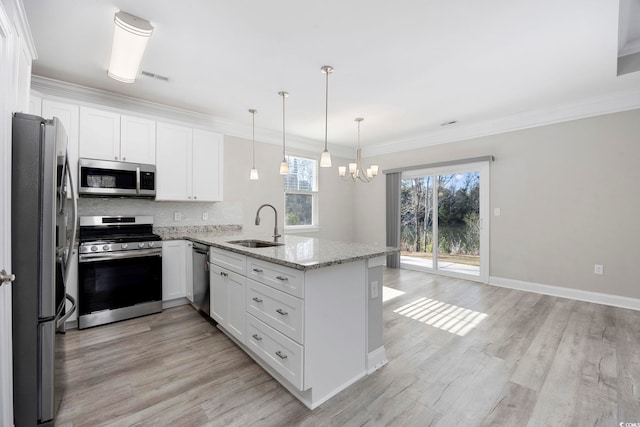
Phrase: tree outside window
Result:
[301,192]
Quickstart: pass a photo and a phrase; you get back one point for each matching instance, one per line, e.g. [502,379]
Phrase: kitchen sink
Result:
[255,243]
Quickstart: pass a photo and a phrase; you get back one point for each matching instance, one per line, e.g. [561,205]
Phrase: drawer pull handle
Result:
[257,270]
[257,337]
[280,355]
[223,274]
[283,278]
[256,299]
[281,311]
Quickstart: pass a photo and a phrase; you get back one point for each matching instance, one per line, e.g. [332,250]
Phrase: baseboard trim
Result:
[376,360]
[571,293]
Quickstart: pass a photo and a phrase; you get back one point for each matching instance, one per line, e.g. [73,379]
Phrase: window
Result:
[301,193]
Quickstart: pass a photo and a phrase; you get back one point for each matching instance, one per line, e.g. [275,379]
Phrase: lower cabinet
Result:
[227,303]
[176,266]
[281,353]
[308,329]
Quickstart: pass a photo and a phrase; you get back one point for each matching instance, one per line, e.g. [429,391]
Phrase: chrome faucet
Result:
[275,228]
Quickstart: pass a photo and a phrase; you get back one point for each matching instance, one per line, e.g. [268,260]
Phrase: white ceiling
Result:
[406,66]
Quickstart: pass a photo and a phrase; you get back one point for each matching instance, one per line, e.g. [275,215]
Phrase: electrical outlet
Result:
[205,216]
[598,269]
[374,290]
[177,216]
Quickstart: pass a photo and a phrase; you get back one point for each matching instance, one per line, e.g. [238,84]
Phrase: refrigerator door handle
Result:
[74,222]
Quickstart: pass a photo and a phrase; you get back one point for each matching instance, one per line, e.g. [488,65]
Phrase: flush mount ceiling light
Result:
[284,166]
[254,172]
[355,169]
[325,158]
[130,37]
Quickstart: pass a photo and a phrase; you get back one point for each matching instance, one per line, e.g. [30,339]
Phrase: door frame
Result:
[485,178]
[8,70]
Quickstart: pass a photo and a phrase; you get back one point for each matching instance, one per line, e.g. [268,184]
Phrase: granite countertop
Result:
[301,253]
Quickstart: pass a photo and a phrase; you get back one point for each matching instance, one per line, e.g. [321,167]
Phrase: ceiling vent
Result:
[155,76]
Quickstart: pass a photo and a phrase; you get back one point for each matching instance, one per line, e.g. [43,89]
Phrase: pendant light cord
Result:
[283,127]
[326,110]
[253,135]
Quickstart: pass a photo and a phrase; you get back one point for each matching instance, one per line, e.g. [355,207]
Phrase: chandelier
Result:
[356,170]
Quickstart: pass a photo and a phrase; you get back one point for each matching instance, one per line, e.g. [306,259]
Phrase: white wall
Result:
[568,198]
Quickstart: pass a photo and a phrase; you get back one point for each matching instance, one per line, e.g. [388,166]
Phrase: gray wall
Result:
[568,198]
[335,198]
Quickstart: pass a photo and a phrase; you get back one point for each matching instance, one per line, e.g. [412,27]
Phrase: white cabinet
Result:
[69,116]
[137,140]
[107,135]
[189,164]
[311,329]
[207,166]
[173,157]
[174,269]
[99,134]
[228,289]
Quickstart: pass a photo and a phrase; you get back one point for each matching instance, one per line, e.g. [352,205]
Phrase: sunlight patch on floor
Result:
[389,293]
[448,317]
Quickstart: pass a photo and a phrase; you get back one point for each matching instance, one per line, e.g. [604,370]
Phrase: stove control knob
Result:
[124,246]
[94,248]
[152,244]
[141,245]
[105,248]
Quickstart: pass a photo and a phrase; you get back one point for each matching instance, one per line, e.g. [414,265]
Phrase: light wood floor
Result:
[526,359]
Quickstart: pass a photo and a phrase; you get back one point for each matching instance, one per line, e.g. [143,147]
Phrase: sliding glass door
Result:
[444,221]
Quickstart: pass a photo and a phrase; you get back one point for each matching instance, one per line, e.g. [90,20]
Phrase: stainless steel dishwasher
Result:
[201,278]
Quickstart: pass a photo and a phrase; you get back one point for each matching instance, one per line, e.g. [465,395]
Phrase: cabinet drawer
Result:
[278,351]
[283,278]
[282,312]
[229,260]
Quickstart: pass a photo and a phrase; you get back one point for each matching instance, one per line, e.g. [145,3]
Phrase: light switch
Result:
[496,211]
[205,216]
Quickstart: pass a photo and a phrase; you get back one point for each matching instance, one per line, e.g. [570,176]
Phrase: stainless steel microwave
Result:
[116,179]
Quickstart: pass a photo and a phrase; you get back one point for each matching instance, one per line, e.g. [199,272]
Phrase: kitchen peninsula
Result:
[309,311]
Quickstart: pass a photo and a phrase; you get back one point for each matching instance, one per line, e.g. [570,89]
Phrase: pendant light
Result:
[254,172]
[284,166]
[325,158]
[355,169]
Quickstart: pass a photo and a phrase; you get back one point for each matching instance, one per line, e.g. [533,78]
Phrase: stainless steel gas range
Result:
[120,269]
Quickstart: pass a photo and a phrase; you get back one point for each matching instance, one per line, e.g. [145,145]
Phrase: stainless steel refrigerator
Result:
[41,247]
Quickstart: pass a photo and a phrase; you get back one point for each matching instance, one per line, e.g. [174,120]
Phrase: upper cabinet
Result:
[137,140]
[99,134]
[188,164]
[106,135]
[173,157]
[207,158]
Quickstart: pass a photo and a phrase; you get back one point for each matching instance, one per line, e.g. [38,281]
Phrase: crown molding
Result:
[21,24]
[91,96]
[591,107]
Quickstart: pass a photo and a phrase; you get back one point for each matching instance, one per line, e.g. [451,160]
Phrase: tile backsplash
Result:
[164,213]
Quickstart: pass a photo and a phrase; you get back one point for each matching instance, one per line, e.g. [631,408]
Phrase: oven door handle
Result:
[119,255]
